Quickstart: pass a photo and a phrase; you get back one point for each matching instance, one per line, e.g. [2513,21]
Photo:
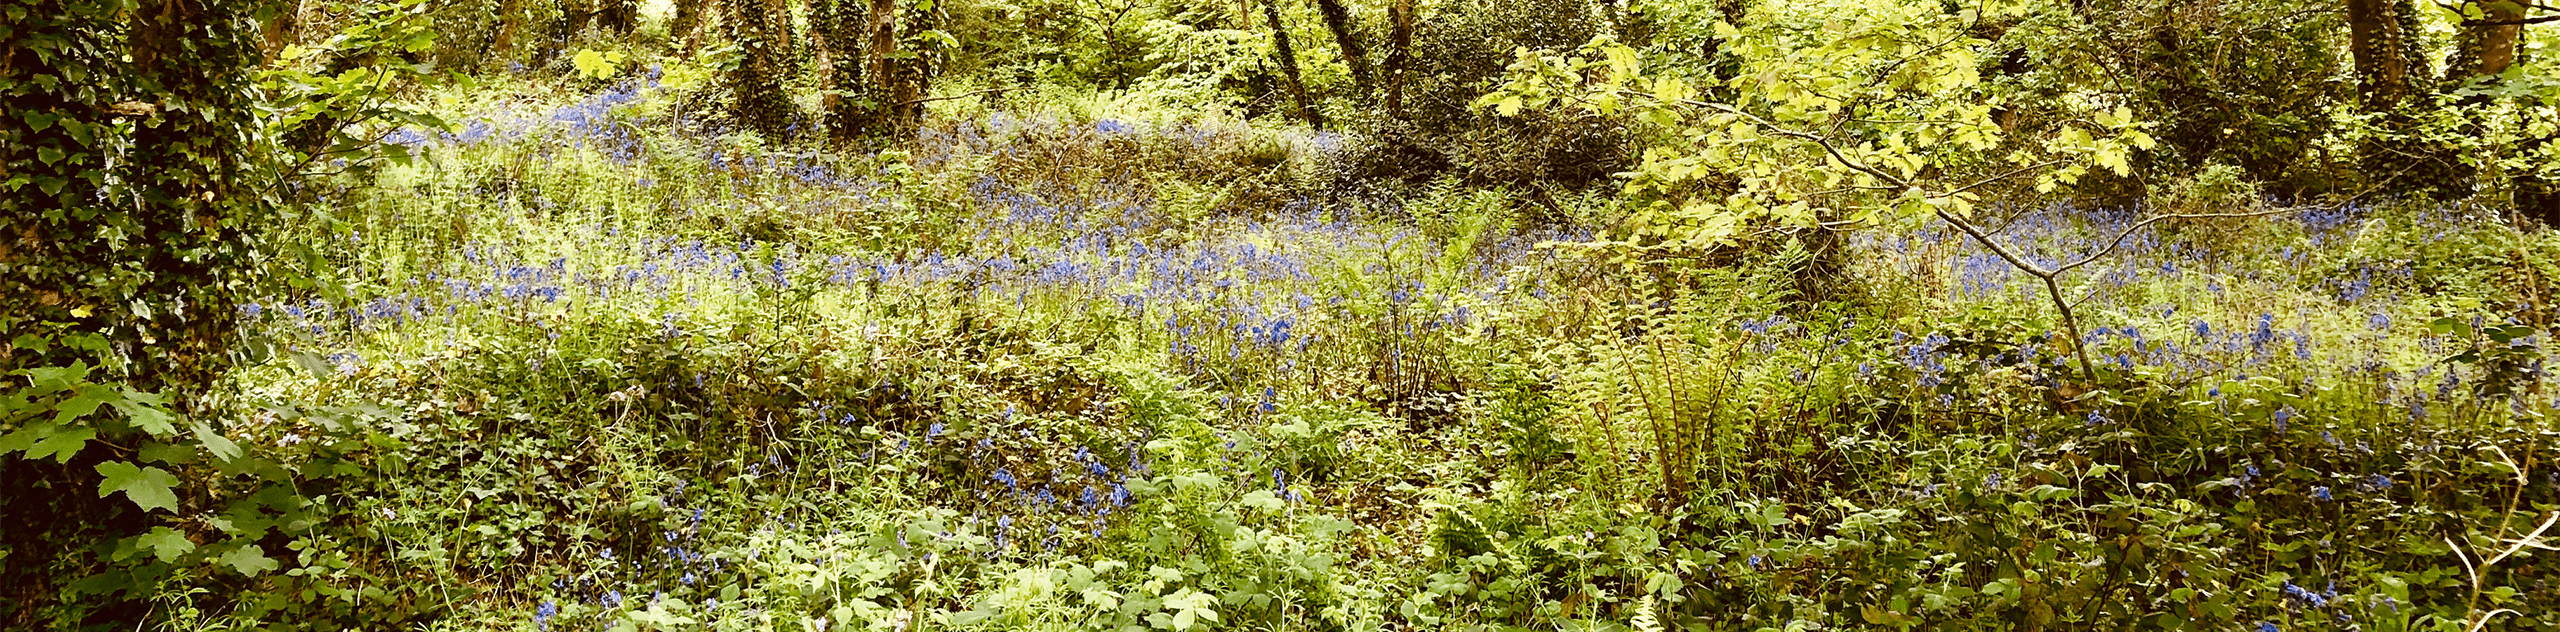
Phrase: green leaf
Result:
[221,447]
[166,543]
[90,397]
[1265,500]
[148,487]
[57,441]
[249,560]
[144,410]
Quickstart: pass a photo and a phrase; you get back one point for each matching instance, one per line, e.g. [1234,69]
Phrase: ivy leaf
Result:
[148,487]
[249,560]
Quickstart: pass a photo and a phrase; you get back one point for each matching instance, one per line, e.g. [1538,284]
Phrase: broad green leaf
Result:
[87,401]
[221,447]
[167,543]
[148,487]
[144,411]
[249,560]
[59,442]
[1265,500]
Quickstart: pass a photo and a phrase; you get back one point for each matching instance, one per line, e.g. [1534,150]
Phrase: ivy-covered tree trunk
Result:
[502,45]
[762,30]
[2384,37]
[686,29]
[130,203]
[835,42]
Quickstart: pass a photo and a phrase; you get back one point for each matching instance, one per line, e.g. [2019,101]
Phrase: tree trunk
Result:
[2382,49]
[880,29]
[281,30]
[1399,54]
[619,16]
[2496,40]
[1337,19]
[763,36]
[687,26]
[1288,60]
[502,47]
[2383,37]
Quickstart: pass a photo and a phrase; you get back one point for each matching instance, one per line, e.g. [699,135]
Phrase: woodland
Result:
[1348,315]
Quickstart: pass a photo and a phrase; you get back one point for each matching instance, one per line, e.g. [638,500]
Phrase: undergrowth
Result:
[594,364]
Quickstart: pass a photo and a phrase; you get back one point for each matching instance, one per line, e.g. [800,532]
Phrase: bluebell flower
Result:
[542,615]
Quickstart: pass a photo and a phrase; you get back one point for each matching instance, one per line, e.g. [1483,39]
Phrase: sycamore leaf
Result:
[144,411]
[148,487]
[56,441]
[249,560]
[221,447]
[86,401]
[166,543]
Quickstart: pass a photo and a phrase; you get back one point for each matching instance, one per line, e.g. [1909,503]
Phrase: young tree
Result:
[1287,57]
[1346,36]
[1843,113]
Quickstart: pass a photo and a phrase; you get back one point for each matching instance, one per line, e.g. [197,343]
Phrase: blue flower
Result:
[542,615]
[2268,627]
[2321,493]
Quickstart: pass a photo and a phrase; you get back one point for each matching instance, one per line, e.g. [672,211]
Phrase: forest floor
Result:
[1102,365]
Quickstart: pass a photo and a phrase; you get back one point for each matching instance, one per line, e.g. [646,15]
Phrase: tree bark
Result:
[1337,19]
[1399,54]
[510,22]
[1288,60]
[2381,44]
[2498,41]
[688,25]
[763,35]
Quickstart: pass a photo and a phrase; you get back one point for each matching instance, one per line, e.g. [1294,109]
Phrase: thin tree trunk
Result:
[1337,19]
[1399,54]
[880,28]
[510,22]
[1288,59]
